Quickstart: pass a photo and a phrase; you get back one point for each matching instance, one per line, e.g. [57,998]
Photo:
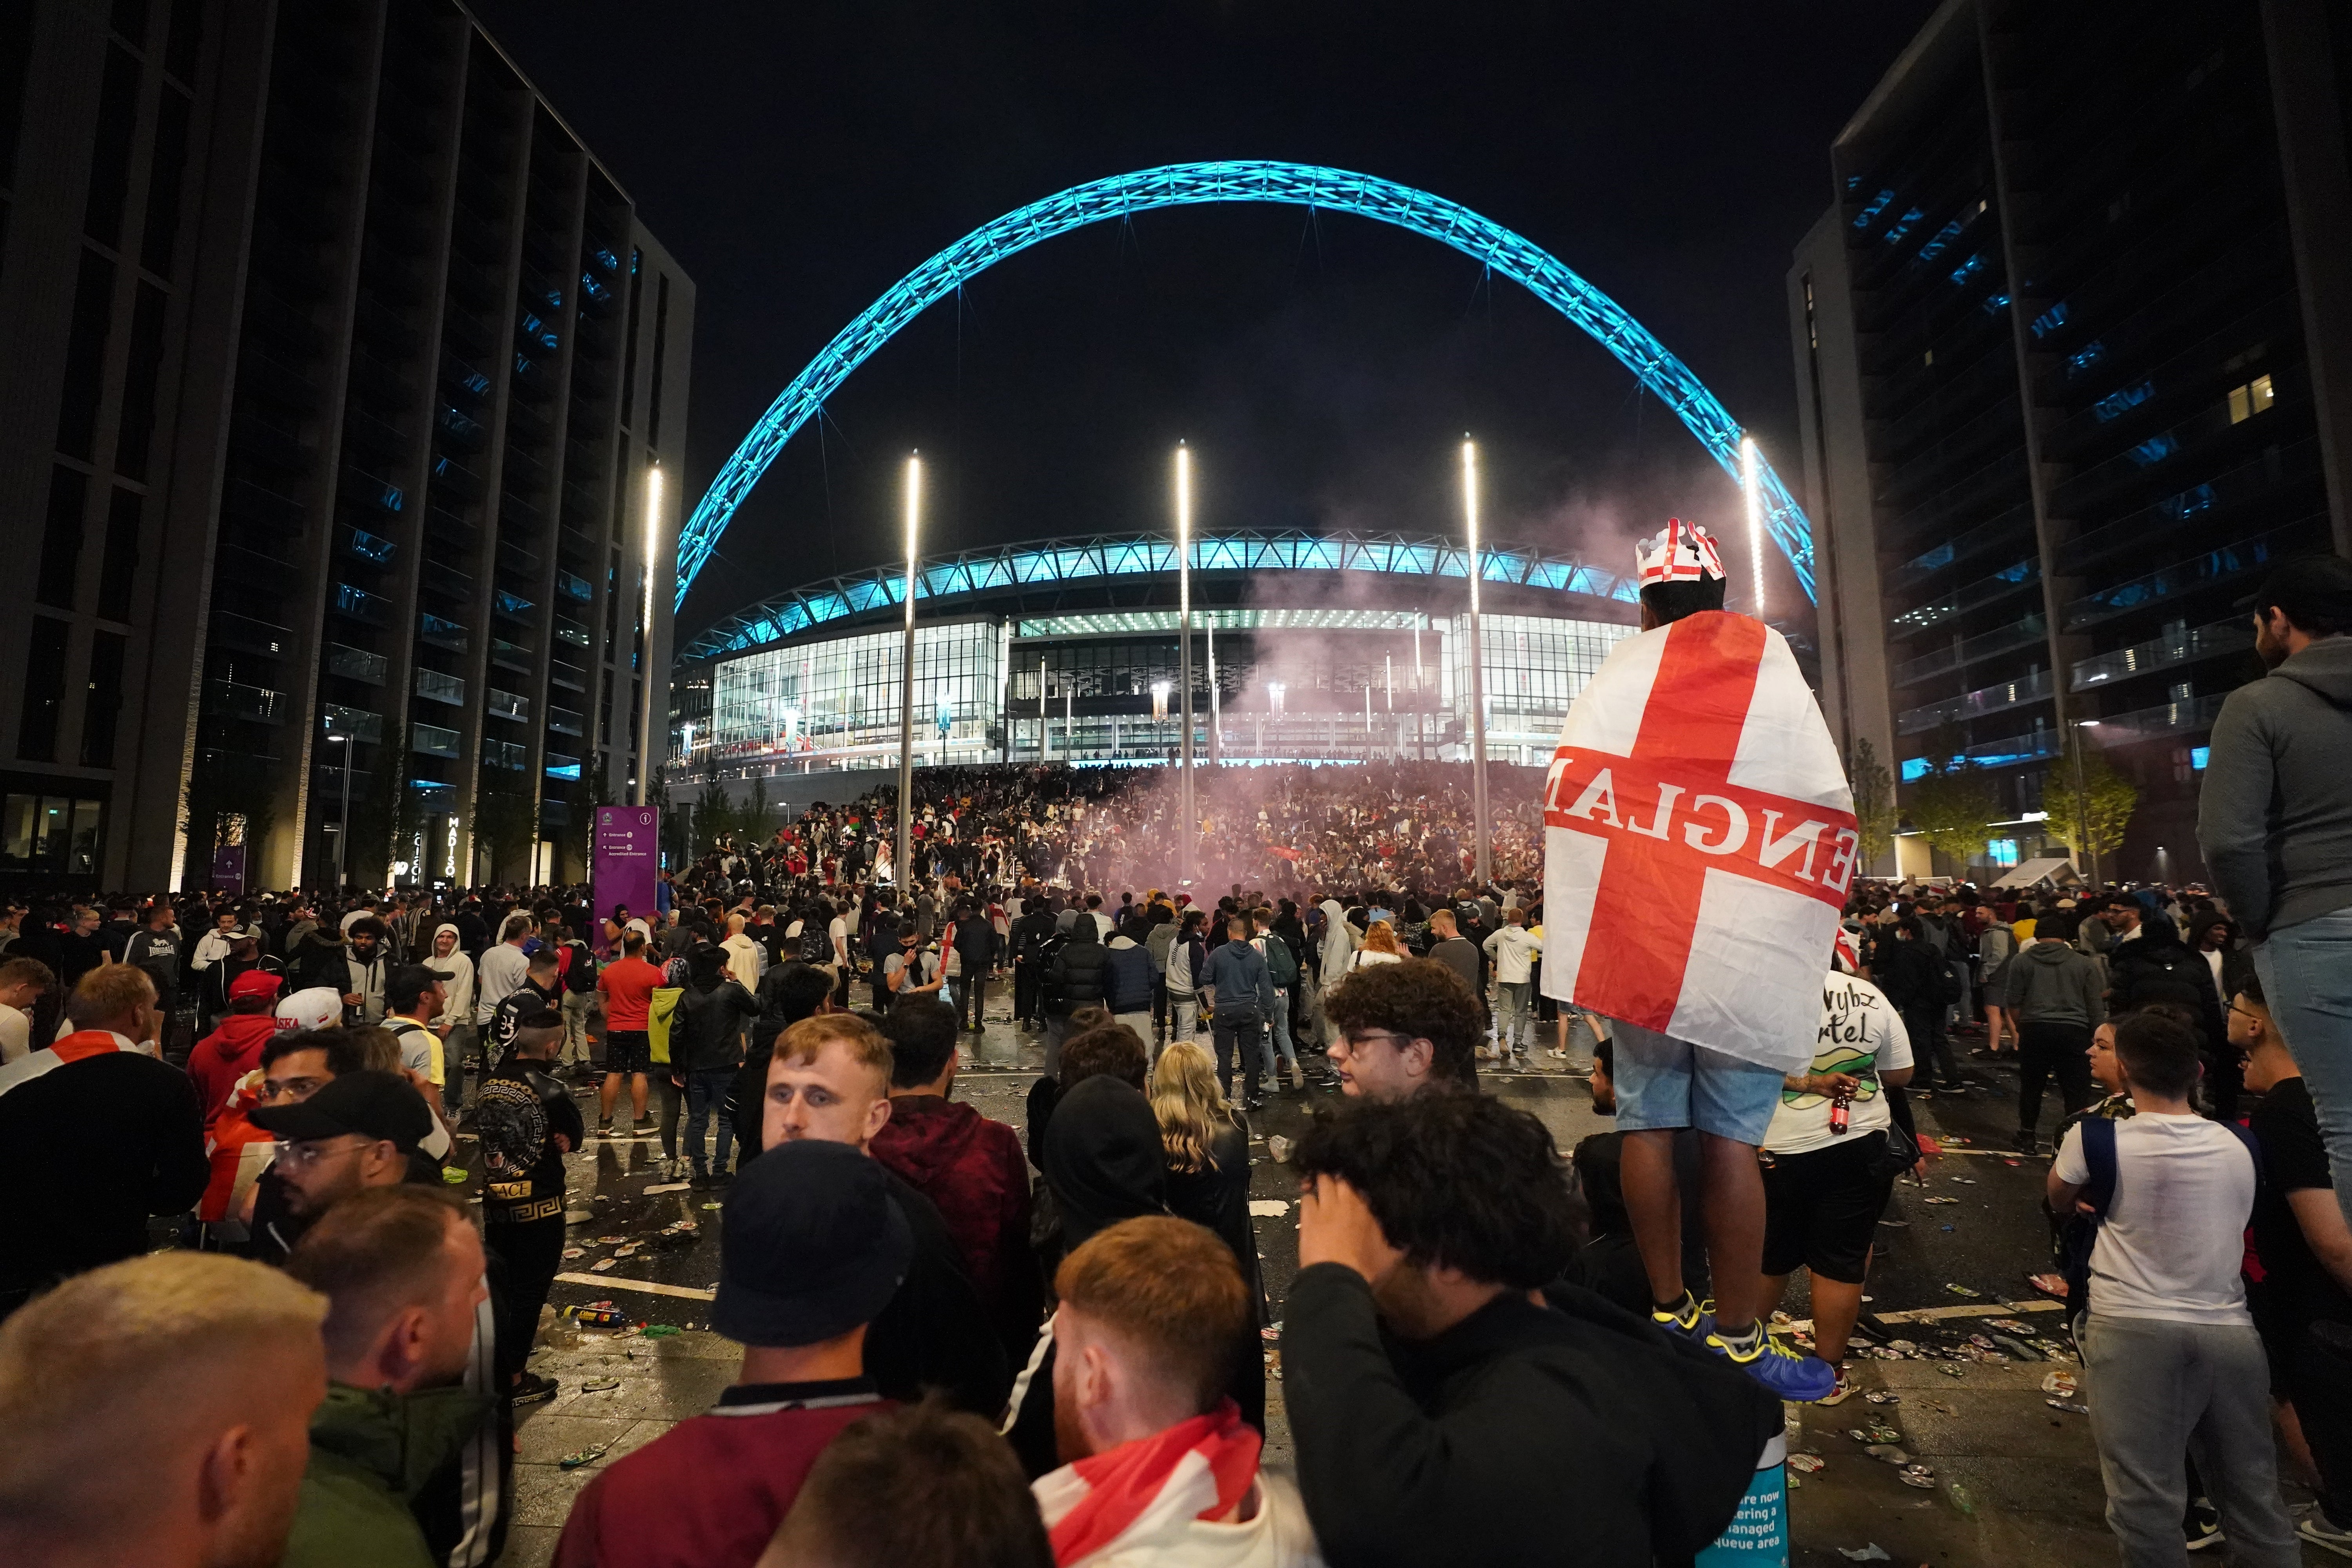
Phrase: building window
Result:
[45,691]
[61,541]
[105,701]
[120,564]
[2255,397]
[93,318]
[138,382]
[2002,851]
[53,834]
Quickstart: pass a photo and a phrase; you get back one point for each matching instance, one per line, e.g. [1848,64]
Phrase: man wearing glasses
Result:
[1399,1029]
[361,1130]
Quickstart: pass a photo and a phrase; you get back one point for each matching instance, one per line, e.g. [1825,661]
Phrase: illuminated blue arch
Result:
[1190,185]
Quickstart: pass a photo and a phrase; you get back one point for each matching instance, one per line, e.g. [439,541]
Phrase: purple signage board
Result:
[624,861]
[228,868]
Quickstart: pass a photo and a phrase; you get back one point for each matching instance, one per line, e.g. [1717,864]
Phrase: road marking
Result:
[1969,1310]
[689,1291]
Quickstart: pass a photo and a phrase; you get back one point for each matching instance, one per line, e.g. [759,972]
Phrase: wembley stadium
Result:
[1336,647]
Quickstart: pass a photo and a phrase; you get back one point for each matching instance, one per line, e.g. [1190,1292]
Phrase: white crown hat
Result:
[1680,552]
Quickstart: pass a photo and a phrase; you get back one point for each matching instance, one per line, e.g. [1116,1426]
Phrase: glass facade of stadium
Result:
[1299,664]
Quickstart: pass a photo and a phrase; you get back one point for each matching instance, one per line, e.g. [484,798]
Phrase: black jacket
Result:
[1518,1429]
[934,1333]
[1075,974]
[320,958]
[1031,933]
[2151,968]
[707,1032]
[1909,973]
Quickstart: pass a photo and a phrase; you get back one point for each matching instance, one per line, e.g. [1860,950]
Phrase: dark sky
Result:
[798,159]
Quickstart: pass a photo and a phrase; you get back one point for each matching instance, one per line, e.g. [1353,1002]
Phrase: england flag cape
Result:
[1699,841]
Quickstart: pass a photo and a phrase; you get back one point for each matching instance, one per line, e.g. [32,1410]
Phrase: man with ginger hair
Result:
[205,1367]
[1158,1464]
[829,1079]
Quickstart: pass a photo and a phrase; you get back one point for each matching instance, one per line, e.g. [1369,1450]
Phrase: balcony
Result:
[235,701]
[564,722]
[2222,566]
[2001,639]
[373,490]
[518,558]
[1973,595]
[370,549]
[1974,704]
[433,741]
[357,722]
[560,766]
[572,631]
[2180,718]
[359,604]
[513,605]
[448,582]
[2032,746]
[247,634]
[435,686]
[2175,645]
[260,503]
[455,479]
[357,664]
[442,633]
[511,656]
[506,754]
[566,674]
[507,705]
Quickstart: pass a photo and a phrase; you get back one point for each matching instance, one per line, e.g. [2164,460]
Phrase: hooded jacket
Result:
[2274,814]
[1338,941]
[707,1034]
[226,1054]
[318,959]
[1075,975]
[371,1454]
[456,972]
[1126,975]
[2050,982]
[972,1168]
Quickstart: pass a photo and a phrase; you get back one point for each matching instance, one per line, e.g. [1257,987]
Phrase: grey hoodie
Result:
[2050,982]
[2275,815]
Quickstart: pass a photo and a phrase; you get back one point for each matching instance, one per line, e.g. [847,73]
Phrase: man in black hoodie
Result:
[1444,1416]
[1074,979]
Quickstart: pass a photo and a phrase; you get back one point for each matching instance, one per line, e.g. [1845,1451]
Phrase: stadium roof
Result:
[1103,559]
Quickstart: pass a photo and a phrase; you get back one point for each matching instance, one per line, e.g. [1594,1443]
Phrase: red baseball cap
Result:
[255,983]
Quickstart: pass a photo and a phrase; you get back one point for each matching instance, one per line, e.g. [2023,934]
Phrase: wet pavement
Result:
[2014,1480]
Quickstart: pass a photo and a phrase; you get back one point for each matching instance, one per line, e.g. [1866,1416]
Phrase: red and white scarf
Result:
[1200,1469]
[72,1048]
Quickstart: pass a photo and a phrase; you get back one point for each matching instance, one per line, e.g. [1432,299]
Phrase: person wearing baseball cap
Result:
[318,1007]
[360,1129]
[234,1049]
[812,1248]
[2274,820]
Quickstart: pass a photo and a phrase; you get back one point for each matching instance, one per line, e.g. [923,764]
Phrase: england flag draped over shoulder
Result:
[1698,842]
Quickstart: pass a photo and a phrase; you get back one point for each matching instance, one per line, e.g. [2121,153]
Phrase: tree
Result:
[1954,803]
[506,823]
[2091,821]
[1873,799]
[755,820]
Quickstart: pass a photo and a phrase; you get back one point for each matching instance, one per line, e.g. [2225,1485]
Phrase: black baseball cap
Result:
[373,1104]
[2313,591]
[812,1245]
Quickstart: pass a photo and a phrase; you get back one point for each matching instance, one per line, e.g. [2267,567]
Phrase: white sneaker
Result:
[2314,1527]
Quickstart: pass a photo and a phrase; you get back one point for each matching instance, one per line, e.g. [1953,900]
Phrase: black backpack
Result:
[816,940]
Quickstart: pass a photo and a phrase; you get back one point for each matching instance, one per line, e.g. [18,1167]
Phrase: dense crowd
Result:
[962,1345]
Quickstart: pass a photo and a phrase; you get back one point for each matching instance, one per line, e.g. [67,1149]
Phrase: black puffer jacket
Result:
[2158,967]
[708,1034]
[1076,974]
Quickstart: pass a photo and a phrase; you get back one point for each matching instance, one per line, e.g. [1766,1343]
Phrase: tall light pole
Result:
[343,822]
[646,639]
[1188,855]
[2082,802]
[1477,663]
[906,684]
[1751,485]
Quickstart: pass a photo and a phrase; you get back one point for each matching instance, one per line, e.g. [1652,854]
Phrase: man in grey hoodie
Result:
[2054,996]
[2275,823]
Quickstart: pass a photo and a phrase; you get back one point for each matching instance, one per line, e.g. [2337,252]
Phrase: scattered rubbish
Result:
[2069,1409]
[1887,1453]
[668,1187]
[1940,1199]
[2009,1326]
[2060,1383]
[1806,1464]
[1874,1553]
[2017,1349]
[1908,1347]
[600,1385]
[1940,1407]
[575,1252]
[573,1461]
[610,1240]
[602,1263]
[710,1205]
[626,1249]
[1980,1341]
[2051,1285]
[659,1330]
[601,1314]
[1279,1147]
[1926,1483]
[2012,1165]
[578,1216]
[1896,1224]
[1880,1396]
[1964,1290]
[1269,1208]
[1966,1181]
[1883,1434]
[1962,1500]
[454,1175]
[1952,1371]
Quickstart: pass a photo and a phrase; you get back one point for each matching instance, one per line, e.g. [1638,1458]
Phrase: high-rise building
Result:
[2074,355]
[334,373]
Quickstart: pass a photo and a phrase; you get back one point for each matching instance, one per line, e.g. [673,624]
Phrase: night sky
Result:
[799,159]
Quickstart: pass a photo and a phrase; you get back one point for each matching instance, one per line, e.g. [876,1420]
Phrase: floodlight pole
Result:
[1188,856]
[646,762]
[907,687]
[1477,664]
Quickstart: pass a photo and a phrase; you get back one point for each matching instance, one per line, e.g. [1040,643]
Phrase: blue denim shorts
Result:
[1662,1082]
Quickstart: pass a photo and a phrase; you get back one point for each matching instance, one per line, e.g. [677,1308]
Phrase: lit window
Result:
[2259,391]
[2240,408]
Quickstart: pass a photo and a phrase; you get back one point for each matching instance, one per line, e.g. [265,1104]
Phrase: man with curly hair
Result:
[1400,1028]
[528,1122]
[1450,1402]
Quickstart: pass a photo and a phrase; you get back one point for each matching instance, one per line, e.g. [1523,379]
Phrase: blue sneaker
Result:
[1803,1378]
[1695,1322]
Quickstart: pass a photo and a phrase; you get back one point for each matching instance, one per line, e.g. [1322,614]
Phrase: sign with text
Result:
[624,861]
[228,868]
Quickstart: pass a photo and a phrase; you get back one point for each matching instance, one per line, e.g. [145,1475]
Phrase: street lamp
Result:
[1188,855]
[343,821]
[646,638]
[2082,804]
[1478,662]
[1752,483]
[907,681]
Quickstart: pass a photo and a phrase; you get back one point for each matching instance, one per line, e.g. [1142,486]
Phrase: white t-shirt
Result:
[2174,1236]
[1861,1034]
[1367,956]
[16,1033]
[420,1050]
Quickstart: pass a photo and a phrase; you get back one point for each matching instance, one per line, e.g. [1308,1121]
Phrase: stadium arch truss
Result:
[1191,184]
[1103,560]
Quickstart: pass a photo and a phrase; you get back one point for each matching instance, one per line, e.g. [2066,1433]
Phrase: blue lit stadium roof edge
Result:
[1233,552]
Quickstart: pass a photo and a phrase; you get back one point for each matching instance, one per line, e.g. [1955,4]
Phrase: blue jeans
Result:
[1280,1026]
[2307,972]
[706,1094]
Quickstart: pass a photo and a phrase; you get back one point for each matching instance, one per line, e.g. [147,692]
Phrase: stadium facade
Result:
[1321,648]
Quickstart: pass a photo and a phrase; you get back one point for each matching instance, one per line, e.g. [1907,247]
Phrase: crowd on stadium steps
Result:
[961,1347]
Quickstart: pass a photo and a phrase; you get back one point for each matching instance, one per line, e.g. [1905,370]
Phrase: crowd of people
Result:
[299,1182]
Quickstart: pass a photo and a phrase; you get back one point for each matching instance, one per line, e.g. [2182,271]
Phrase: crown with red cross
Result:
[1680,552]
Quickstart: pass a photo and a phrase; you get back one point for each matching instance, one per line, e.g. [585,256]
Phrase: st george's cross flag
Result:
[1699,840]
